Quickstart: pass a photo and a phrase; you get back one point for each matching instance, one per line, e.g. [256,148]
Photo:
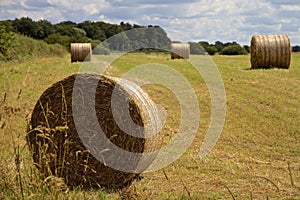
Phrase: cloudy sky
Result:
[190,20]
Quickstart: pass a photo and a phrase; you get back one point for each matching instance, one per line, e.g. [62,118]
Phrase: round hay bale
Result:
[180,51]
[81,52]
[270,51]
[59,150]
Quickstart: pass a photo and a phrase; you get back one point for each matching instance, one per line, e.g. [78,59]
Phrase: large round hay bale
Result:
[59,150]
[270,51]
[180,51]
[81,52]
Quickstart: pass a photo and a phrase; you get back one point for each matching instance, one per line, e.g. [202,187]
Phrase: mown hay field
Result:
[256,157]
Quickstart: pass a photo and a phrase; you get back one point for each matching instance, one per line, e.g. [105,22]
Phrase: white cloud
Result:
[290,7]
[5,3]
[90,7]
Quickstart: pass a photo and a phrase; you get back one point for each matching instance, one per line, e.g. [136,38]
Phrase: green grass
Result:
[21,48]
[259,142]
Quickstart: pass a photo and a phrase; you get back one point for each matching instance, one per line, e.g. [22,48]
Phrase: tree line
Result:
[152,38]
[67,32]
[228,48]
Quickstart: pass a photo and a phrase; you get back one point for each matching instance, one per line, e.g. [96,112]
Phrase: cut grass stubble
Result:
[257,155]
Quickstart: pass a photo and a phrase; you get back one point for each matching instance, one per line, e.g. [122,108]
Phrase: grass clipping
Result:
[270,51]
[58,149]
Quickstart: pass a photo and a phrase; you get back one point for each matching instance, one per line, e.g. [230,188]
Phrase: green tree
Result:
[137,38]
[211,50]
[109,29]
[149,39]
[45,28]
[219,45]
[137,26]
[230,43]
[204,44]
[78,32]
[296,48]
[119,42]
[7,42]
[126,26]
[196,48]
[99,48]
[247,48]
[8,25]
[57,38]
[157,38]
[92,30]
[26,26]
[65,28]
[234,49]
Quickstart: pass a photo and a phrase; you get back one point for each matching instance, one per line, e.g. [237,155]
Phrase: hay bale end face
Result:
[270,51]
[58,149]
[81,52]
[180,51]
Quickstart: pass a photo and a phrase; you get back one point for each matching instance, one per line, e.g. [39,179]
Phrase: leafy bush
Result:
[19,48]
[296,48]
[95,43]
[211,50]
[65,40]
[204,44]
[247,48]
[57,38]
[57,50]
[196,48]
[234,50]
[27,48]
[101,50]
[7,43]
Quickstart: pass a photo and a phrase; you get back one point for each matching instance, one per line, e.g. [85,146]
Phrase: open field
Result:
[256,157]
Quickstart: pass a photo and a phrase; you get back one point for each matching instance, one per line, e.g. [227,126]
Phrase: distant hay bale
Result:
[270,51]
[81,52]
[57,147]
[180,51]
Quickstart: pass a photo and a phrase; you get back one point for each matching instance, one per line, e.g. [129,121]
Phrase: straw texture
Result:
[180,51]
[81,52]
[57,148]
[270,51]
